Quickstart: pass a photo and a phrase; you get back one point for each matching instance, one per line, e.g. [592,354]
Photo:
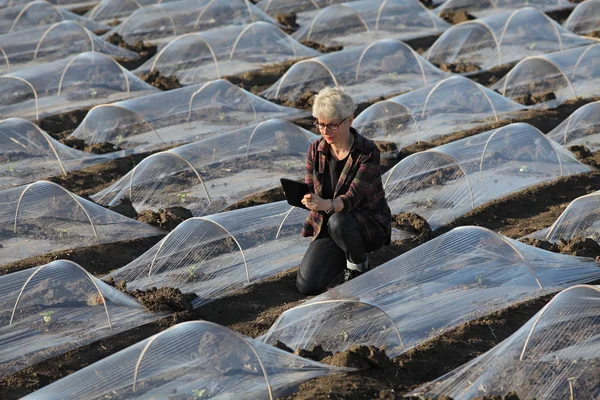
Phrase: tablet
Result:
[294,192]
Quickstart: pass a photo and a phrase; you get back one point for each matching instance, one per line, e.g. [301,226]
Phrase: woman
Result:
[349,214]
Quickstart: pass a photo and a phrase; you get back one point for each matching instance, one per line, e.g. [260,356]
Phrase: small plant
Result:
[120,139]
[62,233]
[479,279]
[93,92]
[523,168]
[182,197]
[47,317]
[345,335]
[429,202]
[191,270]
[221,116]
[10,168]
[201,394]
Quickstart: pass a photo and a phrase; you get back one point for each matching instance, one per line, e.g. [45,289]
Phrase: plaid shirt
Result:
[359,188]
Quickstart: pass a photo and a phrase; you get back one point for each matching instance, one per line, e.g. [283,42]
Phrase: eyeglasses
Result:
[331,127]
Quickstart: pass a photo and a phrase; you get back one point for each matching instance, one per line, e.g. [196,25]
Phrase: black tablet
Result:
[294,192]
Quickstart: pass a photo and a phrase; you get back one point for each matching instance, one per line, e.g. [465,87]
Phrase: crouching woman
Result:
[349,215]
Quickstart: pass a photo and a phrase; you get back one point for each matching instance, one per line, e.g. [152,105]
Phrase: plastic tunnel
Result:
[210,174]
[193,112]
[457,277]
[202,56]
[366,21]
[553,356]
[196,359]
[481,9]
[549,80]
[502,39]
[367,72]
[451,105]
[581,128]
[43,217]
[448,181]
[214,255]
[48,310]
[165,20]
[585,18]
[60,86]
[66,4]
[274,7]
[41,13]
[48,43]
[109,10]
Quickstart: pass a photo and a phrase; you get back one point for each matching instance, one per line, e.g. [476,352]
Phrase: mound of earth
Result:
[321,47]
[456,17]
[460,67]
[125,208]
[584,155]
[166,218]
[165,299]
[96,148]
[144,50]
[288,20]
[159,81]
[412,223]
[578,246]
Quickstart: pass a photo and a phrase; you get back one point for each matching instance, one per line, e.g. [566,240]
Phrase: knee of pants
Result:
[339,224]
[306,287]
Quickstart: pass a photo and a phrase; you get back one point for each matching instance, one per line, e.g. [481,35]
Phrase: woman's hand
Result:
[314,202]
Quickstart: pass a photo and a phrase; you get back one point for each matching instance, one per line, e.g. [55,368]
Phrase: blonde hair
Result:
[332,103]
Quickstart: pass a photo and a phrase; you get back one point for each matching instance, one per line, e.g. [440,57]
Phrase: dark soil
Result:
[321,47]
[144,50]
[459,68]
[259,80]
[412,223]
[60,126]
[584,155]
[268,196]
[456,17]
[166,218]
[288,21]
[165,299]
[155,79]
[125,208]
[96,148]
[581,247]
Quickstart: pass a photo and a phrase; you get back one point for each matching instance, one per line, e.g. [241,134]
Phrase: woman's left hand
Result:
[314,202]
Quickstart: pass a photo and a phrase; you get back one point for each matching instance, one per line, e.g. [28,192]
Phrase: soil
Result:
[144,50]
[259,80]
[166,218]
[584,155]
[321,47]
[581,247]
[288,21]
[165,299]
[456,17]
[155,79]
[412,223]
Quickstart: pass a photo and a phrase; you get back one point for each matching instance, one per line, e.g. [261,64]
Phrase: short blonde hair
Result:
[332,103]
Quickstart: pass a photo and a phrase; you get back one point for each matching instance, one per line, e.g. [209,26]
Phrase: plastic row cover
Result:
[214,255]
[42,217]
[366,21]
[553,78]
[177,116]
[485,8]
[581,128]
[27,153]
[274,7]
[64,39]
[554,356]
[179,17]
[210,174]
[66,4]
[192,360]
[435,110]
[502,39]
[585,18]
[48,310]
[462,275]
[109,10]
[367,72]
[446,182]
[60,86]
[41,13]
[231,50]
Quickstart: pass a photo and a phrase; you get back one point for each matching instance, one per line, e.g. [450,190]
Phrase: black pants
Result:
[326,256]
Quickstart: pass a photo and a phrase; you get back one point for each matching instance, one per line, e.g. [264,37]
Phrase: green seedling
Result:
[10,168]
[93,92]
[62,233]
[47,317]
[429,202]
[201,394]
[120,139]
[523,168]
[182,197]
[479,279]
[221,116]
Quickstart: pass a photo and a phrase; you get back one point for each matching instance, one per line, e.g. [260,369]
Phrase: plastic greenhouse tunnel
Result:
[64,85]
[460,276]
[64,4]
[178,116]
[553,356]
[581,128]
[40,13]
[549,80]
[366,21]
[208,175]
[231,50]
[481,9]
[384,68]
[274,7]
[109,10]
[43,217]
[501,39]
[48,310]
[217,254]
[448,181]
[448,106]
[196,359]
[27,154]
[585,18]
[162,22]
[36,46]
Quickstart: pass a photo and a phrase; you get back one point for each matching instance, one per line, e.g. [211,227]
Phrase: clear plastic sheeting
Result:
[585,18]
[367,72]
[41,13]
[178,116]
[43,217]
[460,276]
[448,181]
[214,255]
[581,128]
[481,9]
[554,356]
[192,360]
[27,154]
[202,56]
[64,85]
[453,104]
[549,80]
[502,39]
[274,7]
[175,18]
[48,310]
[366,21]
[36,46]
[109,10]
[66,4]
[210,174]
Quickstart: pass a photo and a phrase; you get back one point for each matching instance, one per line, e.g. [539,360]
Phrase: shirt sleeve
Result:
[310,167]
[363,184]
